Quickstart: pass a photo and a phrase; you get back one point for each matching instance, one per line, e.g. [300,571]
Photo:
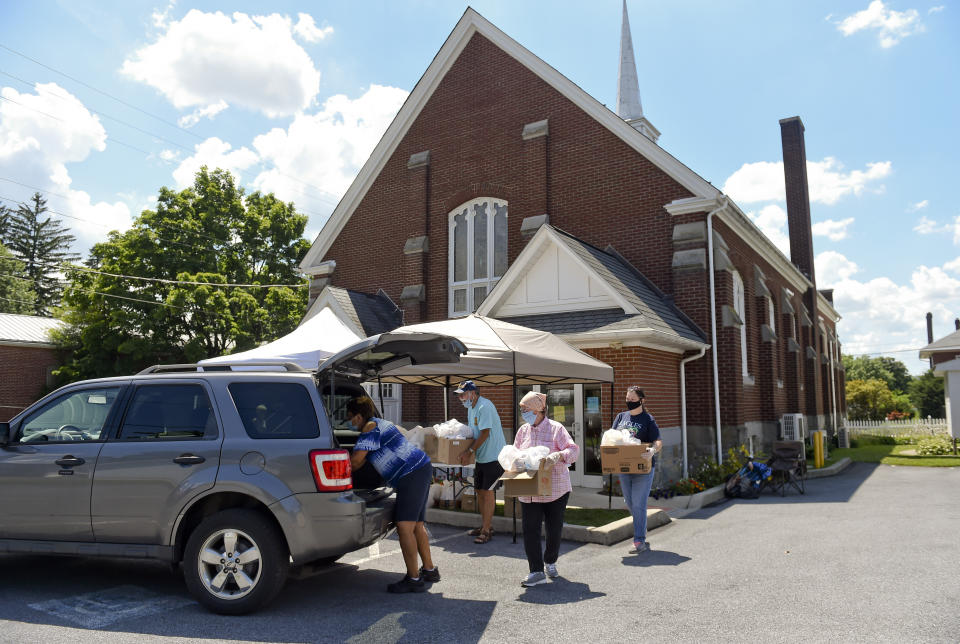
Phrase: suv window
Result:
[76,416]
[169,412]
[275,409]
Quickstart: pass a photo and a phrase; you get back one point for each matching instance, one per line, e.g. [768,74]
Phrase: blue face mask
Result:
[529,416]
[467,403]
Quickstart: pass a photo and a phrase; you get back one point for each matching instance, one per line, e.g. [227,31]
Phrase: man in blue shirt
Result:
[488,440]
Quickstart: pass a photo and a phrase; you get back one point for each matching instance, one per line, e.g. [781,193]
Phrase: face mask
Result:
[633,404]
[529,416]
[467,403]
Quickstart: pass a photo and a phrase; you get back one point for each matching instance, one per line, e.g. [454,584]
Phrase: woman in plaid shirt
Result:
[537,510]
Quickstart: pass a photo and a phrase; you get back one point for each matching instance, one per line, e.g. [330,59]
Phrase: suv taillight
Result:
[331,469]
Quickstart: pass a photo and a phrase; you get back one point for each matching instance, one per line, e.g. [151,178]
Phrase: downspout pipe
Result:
[713,322]
[683,408]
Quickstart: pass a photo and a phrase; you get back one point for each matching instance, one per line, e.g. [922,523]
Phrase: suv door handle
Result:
[189,459]
[69,461]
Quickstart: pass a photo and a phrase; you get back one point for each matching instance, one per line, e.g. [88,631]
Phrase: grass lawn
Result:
[580,516]
[892,455]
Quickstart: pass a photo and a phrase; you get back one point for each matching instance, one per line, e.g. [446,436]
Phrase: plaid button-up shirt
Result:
[554,437]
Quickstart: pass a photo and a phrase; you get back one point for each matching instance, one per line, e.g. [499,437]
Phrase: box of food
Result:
[468,502]
[537,482]
[626,459]
[446,451]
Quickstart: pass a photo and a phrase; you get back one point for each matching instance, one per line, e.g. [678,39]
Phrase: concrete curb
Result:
[830,470]
[690,501]
[604,535]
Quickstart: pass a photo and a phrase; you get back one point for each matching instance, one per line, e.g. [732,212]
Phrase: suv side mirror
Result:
[4,434]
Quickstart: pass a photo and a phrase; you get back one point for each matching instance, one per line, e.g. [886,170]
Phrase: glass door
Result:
[593,427]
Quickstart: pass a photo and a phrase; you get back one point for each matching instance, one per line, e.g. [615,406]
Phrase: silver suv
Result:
[236,474]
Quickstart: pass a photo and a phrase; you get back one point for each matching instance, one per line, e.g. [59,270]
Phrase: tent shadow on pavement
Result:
[655,558]
[559,591]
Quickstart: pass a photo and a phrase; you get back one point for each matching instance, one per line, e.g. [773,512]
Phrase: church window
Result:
[478,252]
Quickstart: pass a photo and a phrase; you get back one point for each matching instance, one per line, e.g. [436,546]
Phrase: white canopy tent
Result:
[501,353]
[309,344]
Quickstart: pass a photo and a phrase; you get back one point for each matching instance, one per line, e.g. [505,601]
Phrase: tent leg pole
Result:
[446,399]
[380,393]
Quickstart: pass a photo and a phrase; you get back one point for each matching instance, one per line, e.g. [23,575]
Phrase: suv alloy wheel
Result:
[235,562]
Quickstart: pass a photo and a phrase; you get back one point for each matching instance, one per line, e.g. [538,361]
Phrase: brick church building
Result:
[502,188]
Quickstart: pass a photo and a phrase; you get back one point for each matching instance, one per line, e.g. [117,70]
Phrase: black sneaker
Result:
[432,576]
[407,585]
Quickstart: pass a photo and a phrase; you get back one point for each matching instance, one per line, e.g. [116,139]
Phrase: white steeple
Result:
[628,87]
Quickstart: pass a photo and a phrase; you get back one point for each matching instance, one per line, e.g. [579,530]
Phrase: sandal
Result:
[484,537]
[476,532]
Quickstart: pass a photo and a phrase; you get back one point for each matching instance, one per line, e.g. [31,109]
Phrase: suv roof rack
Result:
[222,366]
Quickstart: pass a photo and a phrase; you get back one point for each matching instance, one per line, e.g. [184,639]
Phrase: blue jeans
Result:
[636,490]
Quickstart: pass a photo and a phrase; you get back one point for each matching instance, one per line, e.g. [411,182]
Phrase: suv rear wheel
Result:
[235,562]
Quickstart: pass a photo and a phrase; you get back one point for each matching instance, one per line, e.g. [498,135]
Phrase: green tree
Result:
[4,222]
[43,244]
[890,370]
[926,393]
[16,296]
[210,234]
[869,399]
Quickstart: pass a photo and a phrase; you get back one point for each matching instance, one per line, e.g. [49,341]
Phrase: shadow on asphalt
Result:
[839,488]
[655,558]
[344,604]
[500,546]
[559,591]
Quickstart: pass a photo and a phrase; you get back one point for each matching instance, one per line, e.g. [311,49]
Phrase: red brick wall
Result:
[592,185]
[23,377]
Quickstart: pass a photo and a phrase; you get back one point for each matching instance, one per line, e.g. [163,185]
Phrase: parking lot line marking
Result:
[101,608]
[388,552]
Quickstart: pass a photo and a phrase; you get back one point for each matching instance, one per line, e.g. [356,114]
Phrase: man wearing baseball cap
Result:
[488,440]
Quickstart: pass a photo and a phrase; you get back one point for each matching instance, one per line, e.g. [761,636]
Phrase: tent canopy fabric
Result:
[497,351]
[310,343]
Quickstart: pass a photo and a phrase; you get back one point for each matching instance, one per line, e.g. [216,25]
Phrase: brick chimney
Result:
[798,196]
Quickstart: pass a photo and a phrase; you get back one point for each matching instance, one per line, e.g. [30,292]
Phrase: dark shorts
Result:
[485,475]
[412,492]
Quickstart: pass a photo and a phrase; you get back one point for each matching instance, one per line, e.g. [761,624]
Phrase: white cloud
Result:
[200,113]
[936,9]
[833,230]
[326,148]
[953,266]
[40,134]
[891,26]
[214,153]
[920,205]
[772,221]
[206,58]
[161,18]
[880,315]
[763,181]
[927,226]
[307,29]
[169,155]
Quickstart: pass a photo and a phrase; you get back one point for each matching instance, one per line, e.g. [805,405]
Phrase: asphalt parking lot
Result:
[869,555]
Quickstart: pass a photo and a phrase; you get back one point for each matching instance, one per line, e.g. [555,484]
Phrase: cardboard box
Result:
[626,459]
[528,483]
[446,451]
[468,502]
[448,504]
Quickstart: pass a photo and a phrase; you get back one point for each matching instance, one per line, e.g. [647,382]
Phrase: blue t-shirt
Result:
[642,426]
[392,455]
[483,415]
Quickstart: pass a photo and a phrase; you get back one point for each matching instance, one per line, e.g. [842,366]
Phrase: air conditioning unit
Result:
[793,427]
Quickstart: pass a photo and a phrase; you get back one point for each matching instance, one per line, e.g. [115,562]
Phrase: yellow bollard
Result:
[818,448]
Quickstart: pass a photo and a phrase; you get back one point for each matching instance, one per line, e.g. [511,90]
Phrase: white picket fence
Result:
[926,426]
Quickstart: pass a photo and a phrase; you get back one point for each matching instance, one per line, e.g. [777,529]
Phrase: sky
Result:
[102,103]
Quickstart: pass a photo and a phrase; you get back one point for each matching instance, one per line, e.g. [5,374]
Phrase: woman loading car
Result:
[407,469]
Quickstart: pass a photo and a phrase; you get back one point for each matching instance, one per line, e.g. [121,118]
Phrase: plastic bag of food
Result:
[533,455]
[416,435]
[433,496]
[453,428]
[511,459]
[611,437]
[628,438]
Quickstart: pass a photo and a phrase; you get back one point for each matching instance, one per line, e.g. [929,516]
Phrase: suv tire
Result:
[235,562]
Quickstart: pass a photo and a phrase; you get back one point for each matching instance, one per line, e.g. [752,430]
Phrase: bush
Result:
[935,446]
[688,486]
[710,474]
[870,439]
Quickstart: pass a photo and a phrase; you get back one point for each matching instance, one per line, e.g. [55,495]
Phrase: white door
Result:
[391,408]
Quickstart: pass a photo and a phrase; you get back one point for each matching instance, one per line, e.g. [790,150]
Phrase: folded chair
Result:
[789,465]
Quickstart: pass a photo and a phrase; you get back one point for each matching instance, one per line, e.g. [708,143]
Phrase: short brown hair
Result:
[362,405]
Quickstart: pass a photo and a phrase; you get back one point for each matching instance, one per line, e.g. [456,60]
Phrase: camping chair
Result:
[789,465]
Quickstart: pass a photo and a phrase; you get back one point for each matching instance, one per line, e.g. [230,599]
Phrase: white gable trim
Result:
[326,300]
[640,337]
[469,24]
[546,237]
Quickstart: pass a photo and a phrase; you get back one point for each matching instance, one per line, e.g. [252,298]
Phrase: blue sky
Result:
[293,101]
